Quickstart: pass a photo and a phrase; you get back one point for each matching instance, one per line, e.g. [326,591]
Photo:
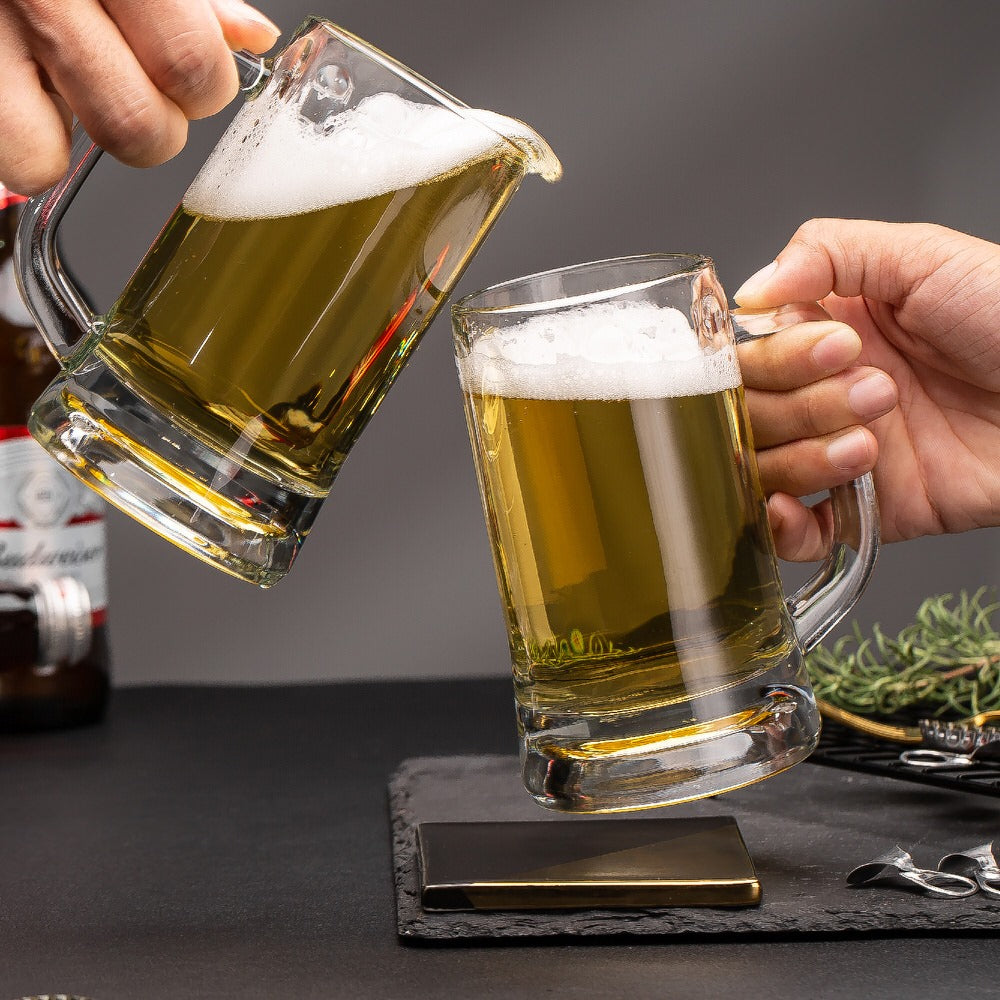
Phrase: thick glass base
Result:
[672,753]
[202,498]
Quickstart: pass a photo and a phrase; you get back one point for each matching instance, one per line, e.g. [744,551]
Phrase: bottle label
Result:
[8,198]
[51,525]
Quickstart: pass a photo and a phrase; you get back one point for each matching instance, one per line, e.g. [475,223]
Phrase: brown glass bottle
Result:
[51,527]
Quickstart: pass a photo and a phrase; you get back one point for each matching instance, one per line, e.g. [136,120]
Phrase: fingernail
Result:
[775,515]
[872,396]
[250,14]
[849,451]
[756,284]
[836,350]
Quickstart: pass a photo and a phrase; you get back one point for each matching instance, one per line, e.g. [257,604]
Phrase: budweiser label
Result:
[8,198]
[50,524]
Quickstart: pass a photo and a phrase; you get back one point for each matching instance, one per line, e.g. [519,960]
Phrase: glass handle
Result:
[254,71]
[58,307]
[827,596]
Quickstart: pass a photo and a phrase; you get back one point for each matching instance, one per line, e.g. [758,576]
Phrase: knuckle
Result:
[48,21]
[36,160]
[138,132]
[811,415]
[192,73]
[34,175]
[788,470]
[813,233]
[824,238]
[827,244]
[930,231]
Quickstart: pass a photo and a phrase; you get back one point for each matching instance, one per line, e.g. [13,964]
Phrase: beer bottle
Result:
[53,670]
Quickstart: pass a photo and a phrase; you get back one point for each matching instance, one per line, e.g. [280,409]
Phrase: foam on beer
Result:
[624,350]
[272,162]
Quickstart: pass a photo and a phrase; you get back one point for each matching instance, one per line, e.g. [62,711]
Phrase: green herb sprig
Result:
[947,662]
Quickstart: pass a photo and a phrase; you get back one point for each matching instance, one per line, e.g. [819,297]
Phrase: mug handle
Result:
[826,597]
[60,310]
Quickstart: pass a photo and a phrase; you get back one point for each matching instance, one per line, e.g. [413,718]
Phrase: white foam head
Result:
[621,350]
[273,162]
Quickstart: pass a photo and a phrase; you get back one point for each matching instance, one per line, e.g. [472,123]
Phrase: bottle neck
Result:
[64,620]
[26,364]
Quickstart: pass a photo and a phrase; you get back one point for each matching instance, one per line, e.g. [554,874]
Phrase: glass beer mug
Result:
[217,399]
[656,658]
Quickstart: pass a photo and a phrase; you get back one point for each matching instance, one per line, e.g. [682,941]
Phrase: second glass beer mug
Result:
[219,396]
[656,658]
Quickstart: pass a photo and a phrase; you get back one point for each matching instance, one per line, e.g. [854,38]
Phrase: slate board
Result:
[805,829]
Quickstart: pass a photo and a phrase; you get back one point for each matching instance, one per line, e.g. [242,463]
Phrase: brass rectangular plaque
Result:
[571,864]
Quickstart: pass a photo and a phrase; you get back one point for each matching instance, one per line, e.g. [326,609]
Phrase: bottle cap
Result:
[64,620]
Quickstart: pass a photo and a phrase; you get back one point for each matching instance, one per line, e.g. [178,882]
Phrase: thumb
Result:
[880,260]
[245,27]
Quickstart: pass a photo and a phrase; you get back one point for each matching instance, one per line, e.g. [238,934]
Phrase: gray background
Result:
[713,126]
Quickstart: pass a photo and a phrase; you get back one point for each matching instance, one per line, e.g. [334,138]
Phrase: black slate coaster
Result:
[805,829]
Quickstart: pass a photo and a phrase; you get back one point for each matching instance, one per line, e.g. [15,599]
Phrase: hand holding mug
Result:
[923,301]
[133,72]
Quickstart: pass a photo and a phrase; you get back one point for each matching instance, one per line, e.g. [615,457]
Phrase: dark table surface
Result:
[234,843]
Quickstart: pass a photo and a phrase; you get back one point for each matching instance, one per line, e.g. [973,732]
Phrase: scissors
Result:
[940,760]
[978,863]
[897,866]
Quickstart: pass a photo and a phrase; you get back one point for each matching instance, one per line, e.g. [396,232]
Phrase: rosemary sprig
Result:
[947,662]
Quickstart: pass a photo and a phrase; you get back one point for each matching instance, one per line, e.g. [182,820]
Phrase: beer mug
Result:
[656,658]
[219,396]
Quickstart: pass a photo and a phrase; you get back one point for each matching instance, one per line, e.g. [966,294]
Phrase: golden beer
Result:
[647,625]
[293,395]
[656,658]
[219,396]
[624,590]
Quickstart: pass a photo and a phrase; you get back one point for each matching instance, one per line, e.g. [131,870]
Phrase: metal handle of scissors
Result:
[942,884]
[977,863]
[897,864]
[936,760]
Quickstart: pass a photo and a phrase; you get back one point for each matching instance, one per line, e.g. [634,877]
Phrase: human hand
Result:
[922,300]
[134,72]
[809,402]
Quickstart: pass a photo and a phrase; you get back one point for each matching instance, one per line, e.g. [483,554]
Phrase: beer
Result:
[51,527]
[217,399]
[655,656]
[290,286]
[632,551]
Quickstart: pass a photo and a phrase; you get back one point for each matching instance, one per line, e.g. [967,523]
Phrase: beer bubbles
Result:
[600,350]
[273,163]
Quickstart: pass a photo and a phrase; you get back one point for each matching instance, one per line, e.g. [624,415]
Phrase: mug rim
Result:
[391,63]
[687,264]
[539,150]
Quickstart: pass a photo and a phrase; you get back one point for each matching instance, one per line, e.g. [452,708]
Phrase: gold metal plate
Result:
[574,864]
